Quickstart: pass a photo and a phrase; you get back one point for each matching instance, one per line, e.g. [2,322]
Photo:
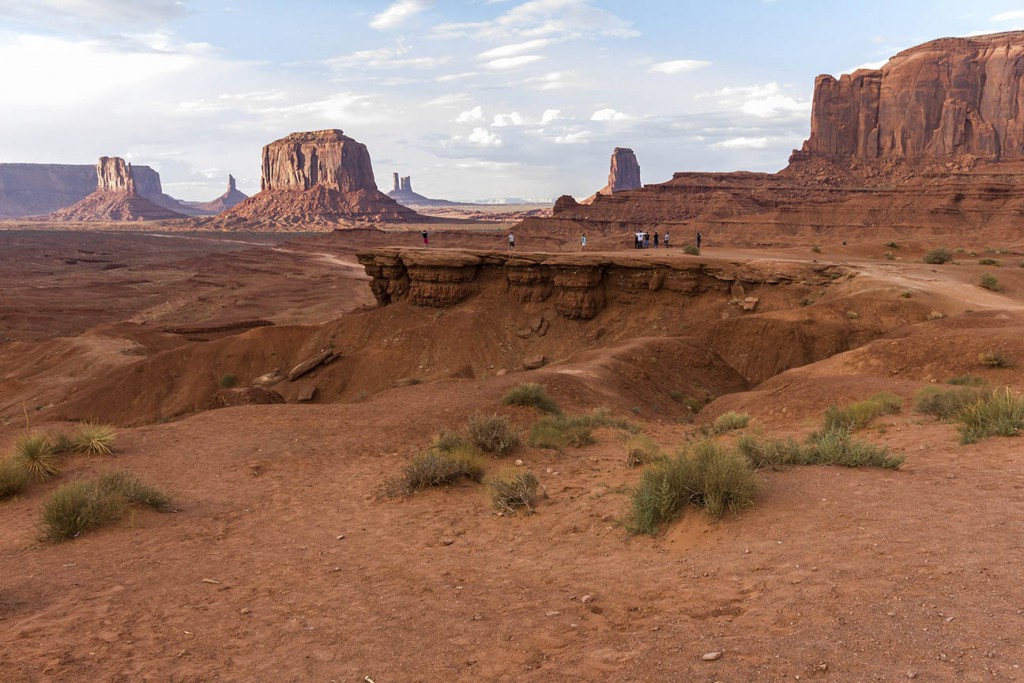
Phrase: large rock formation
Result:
[934,140]
[942,99]
[624,174]
[116,197]
[318,177]
[37,189]
[402,193]
[230,198]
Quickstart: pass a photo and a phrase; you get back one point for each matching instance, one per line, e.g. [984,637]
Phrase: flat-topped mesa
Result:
[946,98]
[318,176]
[116,197]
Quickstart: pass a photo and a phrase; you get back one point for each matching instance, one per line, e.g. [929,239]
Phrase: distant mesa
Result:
[224,202]
[402,193]
[319,177]
[624,174]
[116,197]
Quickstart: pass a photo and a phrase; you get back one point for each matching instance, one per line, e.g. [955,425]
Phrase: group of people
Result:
[644,240]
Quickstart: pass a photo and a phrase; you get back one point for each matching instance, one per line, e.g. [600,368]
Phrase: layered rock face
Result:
[318,176]
[37,189]
[116,197]
[948,97]
[624,174]
[230,198]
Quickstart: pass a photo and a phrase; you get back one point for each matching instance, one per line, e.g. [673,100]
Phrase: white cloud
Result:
[514,49]
[553,80]
[503,120]
[484,138]
[447,78]
[609,114]
[763,101]
[471,115]
[678,66]
[397,13]
[775,106]
[743,143]
[385,58]
[449,100]
[575,138]
[1012,15]
[513,62]
[550,115]
[534,19]
[92,14]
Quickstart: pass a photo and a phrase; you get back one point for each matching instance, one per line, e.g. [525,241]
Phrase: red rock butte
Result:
[319,177]
[117,196]
[934,140]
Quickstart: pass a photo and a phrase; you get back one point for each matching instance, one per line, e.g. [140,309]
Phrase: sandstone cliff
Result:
[37,189]
[403,193]
[624,174]
[318,177]
[230,198]
[116,198]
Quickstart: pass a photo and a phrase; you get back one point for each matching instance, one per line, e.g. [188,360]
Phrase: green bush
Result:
[990,282]
[995,359]
[816,249]
[708,476]
[493,433]
[642,450]
[946,404]
[13,478]
[448,440]
[80,506]
[557,432]
[227,381]
[727,422]
[770,453]
[967,380]
[512,489]
[600,417]
[34,452]
[437,468]
[988,262]
[691,249]
[938,256]
[858,415]
[835,446]
[998,413]
[93,438]
[533,395]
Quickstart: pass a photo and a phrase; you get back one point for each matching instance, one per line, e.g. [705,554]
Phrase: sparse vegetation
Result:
[805,302]
[13,478]
[691,249]
[80,506]
[889,256]
[816,249]
[769,453]
[995,359]
[990,282]
[93,438]
[906,294]
[34,452]
[532,395]
[892,245]
[448,440]
[852,315]
[707,475]
[998,413]
[837,447]
[642,450]
[936,315]
[676,395]
[437,468]
[493,433]
[988,262]
[938,256]
[512,489]
[857,415]
[227,381]
[946,404]
[967,380]
[727,422]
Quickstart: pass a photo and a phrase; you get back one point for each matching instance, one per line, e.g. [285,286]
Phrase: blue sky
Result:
[474,99]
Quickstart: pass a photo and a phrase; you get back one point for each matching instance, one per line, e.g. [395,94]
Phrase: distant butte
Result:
[624,174]
[116,198]
[230,198]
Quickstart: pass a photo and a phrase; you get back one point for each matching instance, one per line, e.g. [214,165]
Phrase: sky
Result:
[474,99]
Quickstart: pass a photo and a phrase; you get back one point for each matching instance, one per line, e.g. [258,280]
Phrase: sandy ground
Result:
[282,561]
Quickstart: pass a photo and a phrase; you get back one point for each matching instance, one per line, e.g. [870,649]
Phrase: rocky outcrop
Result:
[624,174]
[945,98]
[579,286]
[230,198]
[402,193]
[37,189]
[116,198]
[319,176]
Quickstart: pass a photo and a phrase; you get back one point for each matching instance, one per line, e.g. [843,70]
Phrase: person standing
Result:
[666,240]
[511,242]
[698,239]
[655,239]
[583,242]
[426,239]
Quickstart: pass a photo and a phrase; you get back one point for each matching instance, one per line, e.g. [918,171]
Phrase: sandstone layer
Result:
[318,176]
[37,189]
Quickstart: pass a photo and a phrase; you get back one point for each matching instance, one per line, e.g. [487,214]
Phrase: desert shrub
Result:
[533,395]
[448,440]
[946,404]
[967,380]
[892,245]
[676,395]
[995,359]
[889,256]
[437,468]
[988,262]
[227,381]
[62,444]
[990,281]
[557,432]
[816,249]
[642,450]
[727,422]
[79,506]
[998,413]
[938,256]
[805,302]
[691,249]
[835,446]
[859,414]
[708,476]
[34,452]
[512,489]
[906,294]
[93,438]
[493,433]
[936,315]
[852,315]
[13,478]
[775,454]
[601,417]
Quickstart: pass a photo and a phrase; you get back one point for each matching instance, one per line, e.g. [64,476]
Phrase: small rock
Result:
[307,393]
[519,462]
[447,541]
[340,536]
[711,656]
[501,373]
[406,381]
[244,610]
[587,599]
[534,362]
[552,613]
[911,674]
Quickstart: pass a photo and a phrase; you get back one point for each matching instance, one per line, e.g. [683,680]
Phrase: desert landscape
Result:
[837,367]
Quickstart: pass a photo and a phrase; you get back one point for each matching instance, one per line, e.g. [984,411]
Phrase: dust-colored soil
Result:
[283,561]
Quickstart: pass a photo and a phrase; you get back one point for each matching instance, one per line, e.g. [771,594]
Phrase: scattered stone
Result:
[244,610]
[587,599]
[523,333]
[501,373]
[340,536]
[519,462]
[711,656]
[406,382]
[534,362]
[272,377]
[749,304]
[307,393]
[552,613]
[311,363]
